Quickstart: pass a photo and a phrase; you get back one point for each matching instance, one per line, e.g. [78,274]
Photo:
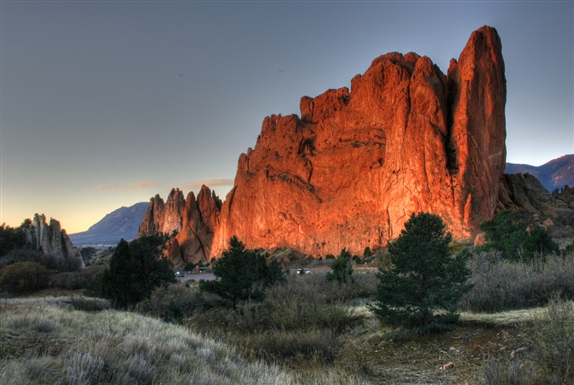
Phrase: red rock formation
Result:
[356,164]
[351,170]
[193,220]
[152,218]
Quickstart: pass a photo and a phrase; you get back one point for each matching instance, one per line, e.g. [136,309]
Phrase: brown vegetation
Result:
[45,342]
[502,285]
[22,277]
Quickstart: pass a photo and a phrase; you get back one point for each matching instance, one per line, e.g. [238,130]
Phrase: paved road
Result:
[197,277]
[209,276]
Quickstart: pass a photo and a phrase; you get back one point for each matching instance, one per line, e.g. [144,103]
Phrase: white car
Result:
[303,271]
[179,274]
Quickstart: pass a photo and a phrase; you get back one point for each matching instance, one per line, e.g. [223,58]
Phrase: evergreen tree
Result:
[539,243]
[242,274]
[425,278]
[11,238]
[136,269]
[342,269]
[515,243]
[504,235]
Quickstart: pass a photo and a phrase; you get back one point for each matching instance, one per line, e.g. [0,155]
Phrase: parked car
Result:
[179,273]
[303,271]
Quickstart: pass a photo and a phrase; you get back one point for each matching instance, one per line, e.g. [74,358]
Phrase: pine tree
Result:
[243,274]
[342,269]
[539,243]
[136,269]
[504,235]
[425,278]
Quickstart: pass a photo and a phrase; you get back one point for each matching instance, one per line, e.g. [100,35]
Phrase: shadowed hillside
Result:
[553,174]
[121,223]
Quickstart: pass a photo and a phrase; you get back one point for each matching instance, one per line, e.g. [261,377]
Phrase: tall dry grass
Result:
[548,357]
[502,285]
[48,342]
[298,322]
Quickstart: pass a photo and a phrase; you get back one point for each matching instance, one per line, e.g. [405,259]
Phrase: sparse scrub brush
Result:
[90,304]
[552,342]
[503,285]
[23,277]
[501,372]
[171,303]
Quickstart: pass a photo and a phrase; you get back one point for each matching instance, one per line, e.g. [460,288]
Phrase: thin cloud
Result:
[135,186]
[195,184]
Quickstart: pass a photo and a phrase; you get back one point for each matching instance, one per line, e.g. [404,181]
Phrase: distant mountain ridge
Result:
[121,223]
[553,174]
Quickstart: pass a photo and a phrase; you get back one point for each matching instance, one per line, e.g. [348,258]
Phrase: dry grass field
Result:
[514,330]
[48,341]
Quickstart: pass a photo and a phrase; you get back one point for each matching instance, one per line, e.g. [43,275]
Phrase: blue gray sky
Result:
[106,103]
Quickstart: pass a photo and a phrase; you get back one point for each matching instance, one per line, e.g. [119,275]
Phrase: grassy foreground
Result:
[47,341]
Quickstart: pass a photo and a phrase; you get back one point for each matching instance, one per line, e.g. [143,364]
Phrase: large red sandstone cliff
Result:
[351,169]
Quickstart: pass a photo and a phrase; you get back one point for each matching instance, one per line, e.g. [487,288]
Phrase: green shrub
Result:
[503,234]
[49,261]
[539,243]
[22,277]
[302,303]
[425,278]
[342,269]
[87,252]
[382,259]
[569,249]
[514,241]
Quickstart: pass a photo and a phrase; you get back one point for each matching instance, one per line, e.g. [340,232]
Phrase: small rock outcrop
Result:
[51,239]
[525,192]
[192,221]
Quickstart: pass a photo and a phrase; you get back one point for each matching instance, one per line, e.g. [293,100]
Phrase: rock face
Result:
[50,239]
[355,165]
[352,168]
[193,220]
[526,192]
[554,174]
